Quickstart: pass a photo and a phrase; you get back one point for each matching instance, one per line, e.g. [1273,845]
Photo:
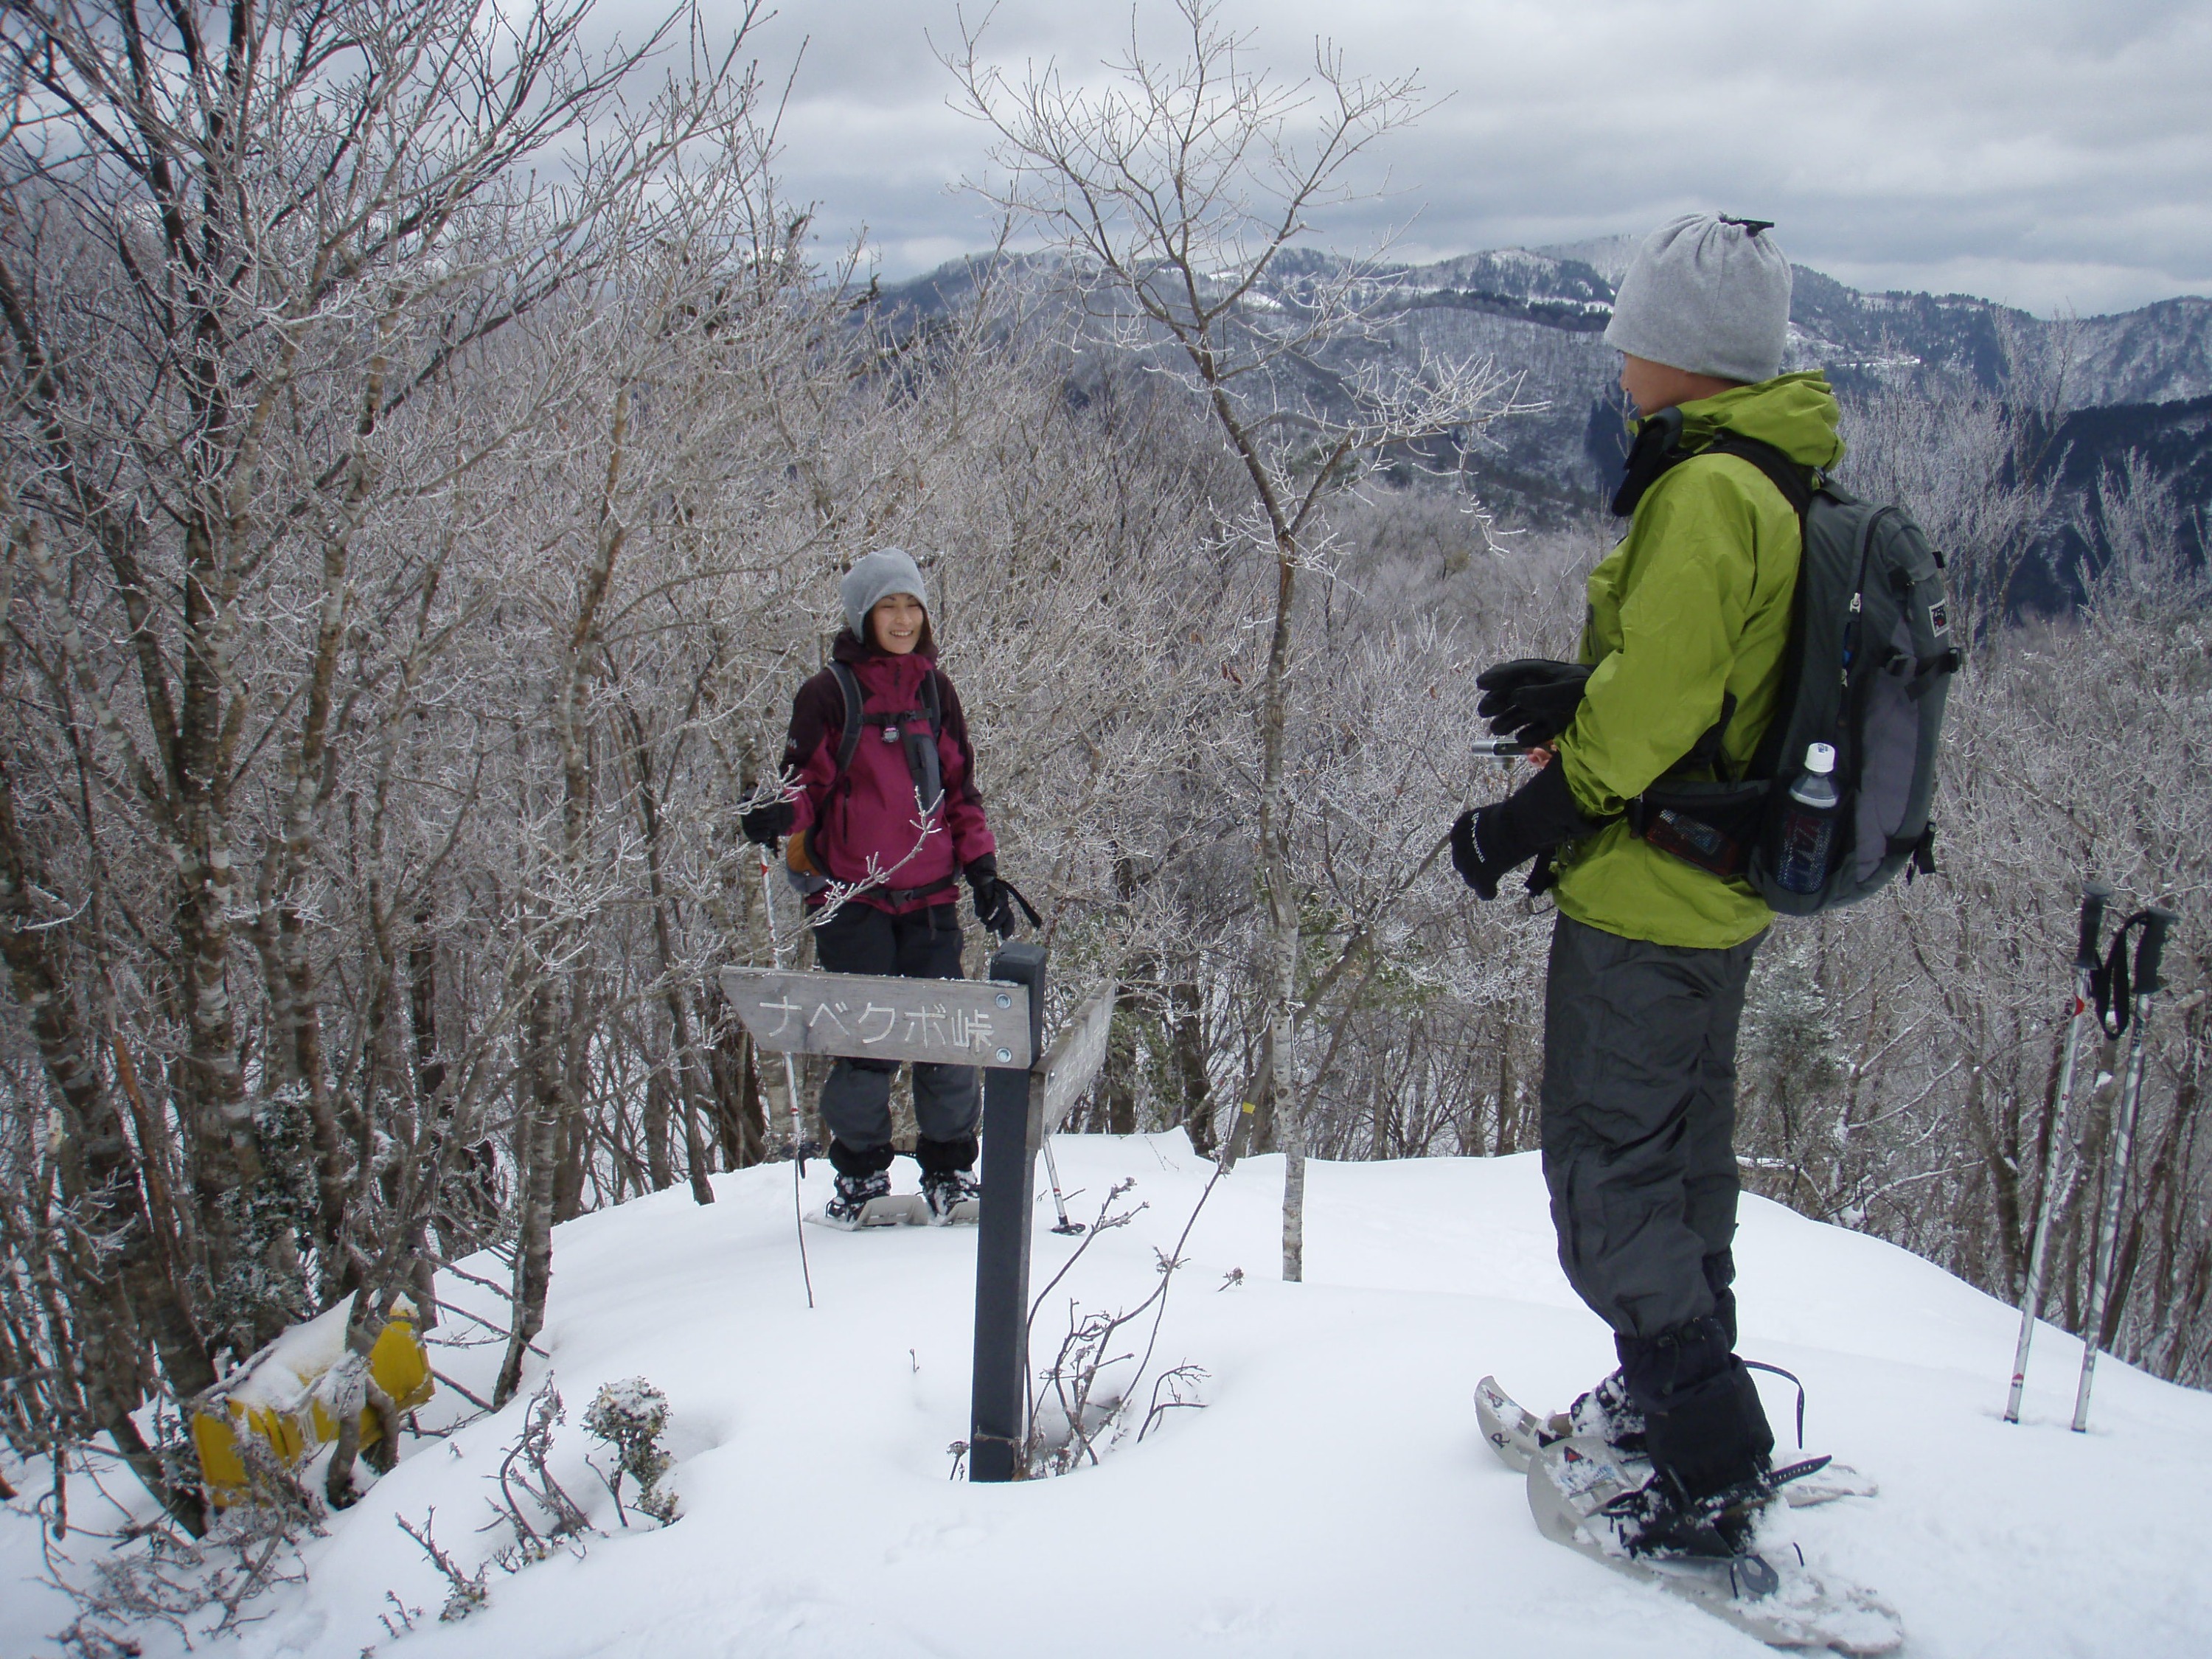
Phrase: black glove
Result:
[994,904]
[1531,699]
[766,825]
[1540,815]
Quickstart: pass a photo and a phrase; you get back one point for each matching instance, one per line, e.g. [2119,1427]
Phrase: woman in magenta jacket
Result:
[889,835]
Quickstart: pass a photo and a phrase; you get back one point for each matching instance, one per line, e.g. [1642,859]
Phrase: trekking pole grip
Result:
[2156,920]
[2094,895]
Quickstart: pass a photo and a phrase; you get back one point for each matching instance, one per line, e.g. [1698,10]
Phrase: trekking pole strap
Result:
[2109,985]
[1029,910]
[2113,986]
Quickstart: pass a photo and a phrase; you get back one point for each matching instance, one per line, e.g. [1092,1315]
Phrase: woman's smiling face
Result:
[898,621]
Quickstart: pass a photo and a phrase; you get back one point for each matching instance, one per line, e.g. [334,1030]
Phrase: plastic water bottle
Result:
[1808,825]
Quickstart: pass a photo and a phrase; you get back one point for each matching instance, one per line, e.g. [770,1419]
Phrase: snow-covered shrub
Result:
[630,1416]
[160,1575]
[465,1592]
[1089,1397]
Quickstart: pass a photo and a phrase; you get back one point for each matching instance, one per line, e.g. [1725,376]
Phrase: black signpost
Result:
[996,1024]
[1011,1113]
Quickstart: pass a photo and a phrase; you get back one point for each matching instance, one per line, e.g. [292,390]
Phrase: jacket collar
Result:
[878,669]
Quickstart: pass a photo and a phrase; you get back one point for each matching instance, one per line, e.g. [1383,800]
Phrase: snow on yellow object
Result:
[293,1396]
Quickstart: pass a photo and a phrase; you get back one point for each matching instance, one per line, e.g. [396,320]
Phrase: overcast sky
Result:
[2048,153]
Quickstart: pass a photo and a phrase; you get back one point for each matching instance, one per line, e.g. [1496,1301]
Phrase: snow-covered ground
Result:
[1332,1499]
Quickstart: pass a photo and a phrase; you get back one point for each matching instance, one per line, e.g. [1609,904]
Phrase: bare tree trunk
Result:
[1123,1053]
[536,1143]
[1508,1110]
[684,1068]
[1194,1108]
[659,1170]
[100,1171]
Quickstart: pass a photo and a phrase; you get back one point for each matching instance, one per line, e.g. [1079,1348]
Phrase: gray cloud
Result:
[2048,154]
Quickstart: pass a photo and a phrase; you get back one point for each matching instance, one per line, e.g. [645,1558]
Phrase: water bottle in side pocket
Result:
[1809,823]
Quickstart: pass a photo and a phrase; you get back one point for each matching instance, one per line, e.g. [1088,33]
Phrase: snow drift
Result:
[1334,1498]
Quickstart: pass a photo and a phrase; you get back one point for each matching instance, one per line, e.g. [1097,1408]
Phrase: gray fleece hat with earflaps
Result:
[1705,293]
[886,571]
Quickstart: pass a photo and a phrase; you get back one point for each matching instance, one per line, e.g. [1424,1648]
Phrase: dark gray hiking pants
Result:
[856,1101]
[1639,1124]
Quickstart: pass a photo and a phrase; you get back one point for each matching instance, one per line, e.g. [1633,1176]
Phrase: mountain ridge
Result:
[1540,313]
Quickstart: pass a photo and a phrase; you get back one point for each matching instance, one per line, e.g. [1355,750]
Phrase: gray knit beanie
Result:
[886,571]
[1707,294]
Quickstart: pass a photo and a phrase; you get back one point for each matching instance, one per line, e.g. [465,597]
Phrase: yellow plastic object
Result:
[281,1400]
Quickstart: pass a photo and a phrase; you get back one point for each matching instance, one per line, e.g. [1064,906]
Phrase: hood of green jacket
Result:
[1795,413]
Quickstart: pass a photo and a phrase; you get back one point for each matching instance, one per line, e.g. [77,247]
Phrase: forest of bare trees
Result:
[430,446]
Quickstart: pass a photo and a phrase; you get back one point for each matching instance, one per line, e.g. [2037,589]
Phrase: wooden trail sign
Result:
[996,1024]
[1066,1071]
[953,1021]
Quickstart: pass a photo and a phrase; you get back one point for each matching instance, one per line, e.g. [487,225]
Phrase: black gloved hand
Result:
[766,825]
[994,904]
[1531,699]
[1540,815]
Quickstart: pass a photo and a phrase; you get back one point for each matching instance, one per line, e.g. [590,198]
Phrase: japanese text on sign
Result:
[960,1022]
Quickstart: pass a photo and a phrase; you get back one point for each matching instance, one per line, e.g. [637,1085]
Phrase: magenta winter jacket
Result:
[872,813]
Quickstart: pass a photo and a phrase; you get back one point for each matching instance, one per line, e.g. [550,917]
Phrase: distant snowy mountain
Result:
[1539,312]
[1332,1498]
[2159,354]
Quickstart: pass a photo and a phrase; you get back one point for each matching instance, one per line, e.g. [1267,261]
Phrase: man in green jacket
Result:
[1680,672]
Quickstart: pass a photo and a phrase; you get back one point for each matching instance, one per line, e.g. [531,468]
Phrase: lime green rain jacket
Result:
[1693,604]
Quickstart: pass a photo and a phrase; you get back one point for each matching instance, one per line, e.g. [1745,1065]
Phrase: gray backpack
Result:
[1868,670]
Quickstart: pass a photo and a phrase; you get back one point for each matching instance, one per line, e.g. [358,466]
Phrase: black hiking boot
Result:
[945,1191]
[853,1195]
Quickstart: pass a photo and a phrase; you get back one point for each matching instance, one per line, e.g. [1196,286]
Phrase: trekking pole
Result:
[2093,896]
[791,1088]
[1059,1203]
[1051,1167]
[2155,922]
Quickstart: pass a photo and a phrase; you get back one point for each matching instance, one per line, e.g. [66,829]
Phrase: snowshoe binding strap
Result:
[1797,1471]
[1788,1377]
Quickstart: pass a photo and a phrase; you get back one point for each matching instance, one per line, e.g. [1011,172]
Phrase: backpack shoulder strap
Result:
[848,744]
[1794,482]
[933,702]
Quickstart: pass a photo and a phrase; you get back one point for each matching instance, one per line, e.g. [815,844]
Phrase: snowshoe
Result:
[1587,1495]
[1517,1434]
[1513,1431]
[949,1197]
[865,1201]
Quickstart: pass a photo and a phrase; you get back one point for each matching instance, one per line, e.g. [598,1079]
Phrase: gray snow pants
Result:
[1640,1124]
[856,1101]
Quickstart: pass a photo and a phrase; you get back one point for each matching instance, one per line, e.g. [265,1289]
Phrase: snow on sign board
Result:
[289,1394]
[960,1022]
